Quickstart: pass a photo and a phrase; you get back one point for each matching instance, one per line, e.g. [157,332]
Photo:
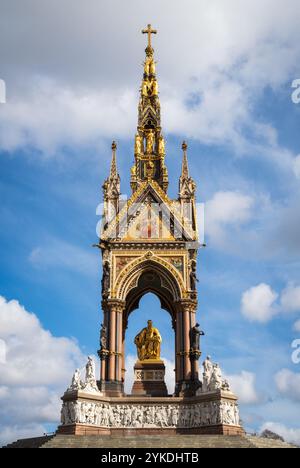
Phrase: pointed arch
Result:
[170,279]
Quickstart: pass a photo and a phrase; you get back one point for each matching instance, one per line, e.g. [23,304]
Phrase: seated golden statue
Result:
[148,343]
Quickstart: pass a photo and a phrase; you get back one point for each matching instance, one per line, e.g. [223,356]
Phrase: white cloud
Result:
[290,435]
[229,207]
[296,326]
[14,432]
[2,352]
[288,384]
[129,378]
[258,303]
[243,385]
[30,404]
[212,120]
[296,166]
[54,115]
[241,30]
[224,212]
[251,225]
[37,369]
[225,57]
[32,353]
[284,235]
[58,253]
[290,299]
[2,92]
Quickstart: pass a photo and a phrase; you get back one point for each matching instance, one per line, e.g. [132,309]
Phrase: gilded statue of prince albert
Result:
[148,343]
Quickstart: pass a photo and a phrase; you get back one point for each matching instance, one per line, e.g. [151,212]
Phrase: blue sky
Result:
[225,86]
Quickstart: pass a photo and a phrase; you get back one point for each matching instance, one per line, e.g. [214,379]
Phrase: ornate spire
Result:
[111,186]
[187,185]
[149,148]
[184,167]
[113,164]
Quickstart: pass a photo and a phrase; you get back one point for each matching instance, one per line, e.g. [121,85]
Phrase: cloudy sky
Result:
[72,70]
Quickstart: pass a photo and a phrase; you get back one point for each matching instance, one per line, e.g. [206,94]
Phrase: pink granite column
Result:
[195,362]
[186,347]
[112,345]
[103,370]
[123,360]
[102,355]
[119,357]
[179,347]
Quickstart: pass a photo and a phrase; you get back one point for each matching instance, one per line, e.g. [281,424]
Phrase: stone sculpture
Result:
[90,384]
[76,383]
[212,377]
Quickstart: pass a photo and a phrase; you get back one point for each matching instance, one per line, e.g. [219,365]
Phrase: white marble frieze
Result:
[109,415]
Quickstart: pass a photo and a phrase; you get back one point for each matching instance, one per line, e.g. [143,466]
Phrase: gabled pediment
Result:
[149,214]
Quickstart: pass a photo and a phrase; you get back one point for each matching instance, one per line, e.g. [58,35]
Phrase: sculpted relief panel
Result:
[151,416]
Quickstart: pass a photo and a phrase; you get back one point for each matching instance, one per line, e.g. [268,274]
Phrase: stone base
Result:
[187,388]
[113,389]
[95,414]
[149,379]
[82,429]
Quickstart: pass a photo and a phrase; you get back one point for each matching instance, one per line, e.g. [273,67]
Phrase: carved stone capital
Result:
[103,354]
[187,305]
[195,354]
[113,304]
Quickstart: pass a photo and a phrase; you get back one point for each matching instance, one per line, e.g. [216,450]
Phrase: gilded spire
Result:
[149,84]
[149,147]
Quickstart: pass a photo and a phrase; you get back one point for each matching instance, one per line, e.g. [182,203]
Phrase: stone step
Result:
[34,442]
[192,441]
[148,442]
[261,442]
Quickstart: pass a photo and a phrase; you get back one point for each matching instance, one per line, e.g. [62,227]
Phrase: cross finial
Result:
[149,31]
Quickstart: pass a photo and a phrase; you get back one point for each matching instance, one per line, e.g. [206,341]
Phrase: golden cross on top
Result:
[149,31]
